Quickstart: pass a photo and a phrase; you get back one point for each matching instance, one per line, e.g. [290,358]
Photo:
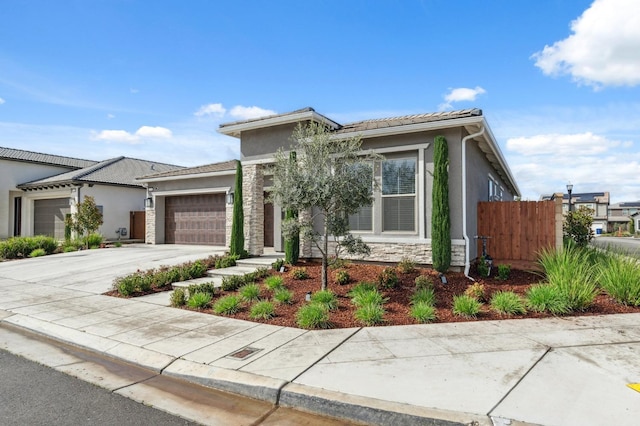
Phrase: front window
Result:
[398,194]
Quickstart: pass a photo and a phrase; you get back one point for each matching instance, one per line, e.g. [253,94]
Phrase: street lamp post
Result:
[569,189]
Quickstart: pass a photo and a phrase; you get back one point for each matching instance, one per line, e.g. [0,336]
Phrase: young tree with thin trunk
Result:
[292,244]
[86,220]
[331,179]
[236,247]
[440,218]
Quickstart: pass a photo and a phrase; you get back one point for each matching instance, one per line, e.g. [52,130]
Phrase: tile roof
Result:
[121,171]
[39,158]
[207,168]
[360,126]
[251,120]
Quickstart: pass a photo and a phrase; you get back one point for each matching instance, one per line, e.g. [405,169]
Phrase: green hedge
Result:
[19,247]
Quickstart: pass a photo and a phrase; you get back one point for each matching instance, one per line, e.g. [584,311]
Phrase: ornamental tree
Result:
[330,180]
[577,226]
[87,218]
[440,219]
[236,246]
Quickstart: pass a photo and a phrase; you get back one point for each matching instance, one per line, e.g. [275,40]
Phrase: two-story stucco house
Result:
[190,204]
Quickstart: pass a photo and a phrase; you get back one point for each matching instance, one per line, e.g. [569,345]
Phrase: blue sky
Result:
[557,80]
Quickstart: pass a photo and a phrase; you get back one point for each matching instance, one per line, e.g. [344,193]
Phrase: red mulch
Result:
[397,307]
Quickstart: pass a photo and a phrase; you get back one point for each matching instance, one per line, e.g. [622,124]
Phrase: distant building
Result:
[620,214]
[596,201]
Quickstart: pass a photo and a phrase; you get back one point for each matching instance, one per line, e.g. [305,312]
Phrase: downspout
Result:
[467,263]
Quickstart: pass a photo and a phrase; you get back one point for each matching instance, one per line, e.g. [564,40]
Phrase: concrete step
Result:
[233,270]
[259,262]
[217,282]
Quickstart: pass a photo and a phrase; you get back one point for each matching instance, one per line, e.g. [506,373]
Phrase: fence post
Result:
[559,220]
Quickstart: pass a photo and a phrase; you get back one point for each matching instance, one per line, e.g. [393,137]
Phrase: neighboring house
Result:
[636,221]
[620,214]
[596,201]
[398,224]
[39,202]
[18,166]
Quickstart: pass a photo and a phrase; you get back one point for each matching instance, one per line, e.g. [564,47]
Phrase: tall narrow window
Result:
[363,219]
[17,216]
[399,194]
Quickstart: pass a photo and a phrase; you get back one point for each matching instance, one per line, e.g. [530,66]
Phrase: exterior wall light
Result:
[230,196]
[148,202]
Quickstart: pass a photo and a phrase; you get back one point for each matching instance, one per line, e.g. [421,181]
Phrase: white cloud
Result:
[110,116]
[247,113]
[604,49]
[461,94]
[144,132]
[216,110]
[544,164]
[133,91]
[153,132]
[1,101]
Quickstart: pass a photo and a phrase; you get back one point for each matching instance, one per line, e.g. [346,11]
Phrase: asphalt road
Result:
[628,245]
[32,394]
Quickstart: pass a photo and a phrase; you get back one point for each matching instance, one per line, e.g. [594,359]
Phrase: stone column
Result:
[150,226]
[253,205]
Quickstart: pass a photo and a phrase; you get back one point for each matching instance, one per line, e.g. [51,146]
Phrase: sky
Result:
[558,80]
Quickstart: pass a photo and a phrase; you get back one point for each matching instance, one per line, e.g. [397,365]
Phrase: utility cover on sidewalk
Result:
[244,353]
[634,386]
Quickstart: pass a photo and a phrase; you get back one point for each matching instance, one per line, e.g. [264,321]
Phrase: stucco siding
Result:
[13,173]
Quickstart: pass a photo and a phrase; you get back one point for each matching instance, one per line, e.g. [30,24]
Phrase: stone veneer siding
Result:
[253,204]
[150,226]
[228,225]
[395,252]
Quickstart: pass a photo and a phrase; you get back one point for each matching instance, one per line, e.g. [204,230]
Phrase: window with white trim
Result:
[398,193]
[495,190]
[363,220]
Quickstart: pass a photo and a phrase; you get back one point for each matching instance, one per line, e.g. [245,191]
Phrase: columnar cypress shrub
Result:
[236,247]
[292,245]
[440,220]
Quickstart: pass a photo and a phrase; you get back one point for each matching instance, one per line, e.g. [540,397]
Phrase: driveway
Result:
[93,271]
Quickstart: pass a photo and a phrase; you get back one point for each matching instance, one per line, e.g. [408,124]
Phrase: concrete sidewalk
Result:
[571,371]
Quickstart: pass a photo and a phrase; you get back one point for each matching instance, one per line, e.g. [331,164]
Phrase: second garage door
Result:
[195,219]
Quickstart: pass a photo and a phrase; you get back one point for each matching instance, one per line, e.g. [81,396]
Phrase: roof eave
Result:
[236,129]
[187,176]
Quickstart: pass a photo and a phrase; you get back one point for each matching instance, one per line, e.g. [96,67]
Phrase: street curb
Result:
[238,382]
[370,410]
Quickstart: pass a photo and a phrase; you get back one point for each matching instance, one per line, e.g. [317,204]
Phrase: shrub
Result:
[261,273]
[423,312]
[48,244]
[313,315]
[236,246]
[18,247]
[249,292]
[388,278]
[475,290]
[361,288]
[482,267]
[68,249]
[196,269]
[466,306]
[362,298]
[227,305]
[262,310]
[342,277]
[278,264]
[93,240]
[178,297]
[577,226]
[507,303]
[282,295]
[274,282]
[325,298]
[504,271]
[424,295]
[423,281]
[572,271]
[37,253]
[208,288]
[300,273]
[232,282]
[199,300]
[226,261]
[117,244]
[406,266]
[620,277]
[546,298]
[338,262]
[370,313]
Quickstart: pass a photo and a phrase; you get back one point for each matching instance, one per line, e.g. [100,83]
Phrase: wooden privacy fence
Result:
[519,229]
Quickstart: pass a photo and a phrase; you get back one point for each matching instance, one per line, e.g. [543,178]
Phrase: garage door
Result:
[195,219]
[48,217]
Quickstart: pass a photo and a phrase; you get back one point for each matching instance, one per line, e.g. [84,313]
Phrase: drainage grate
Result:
[244,353]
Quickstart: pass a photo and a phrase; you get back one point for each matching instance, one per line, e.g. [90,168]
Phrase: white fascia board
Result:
[411,128]
[189,176]
[236,129]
